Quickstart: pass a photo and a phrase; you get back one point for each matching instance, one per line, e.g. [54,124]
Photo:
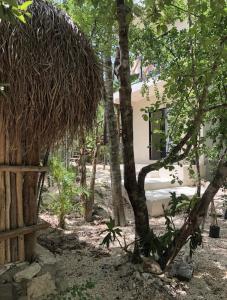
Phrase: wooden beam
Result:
[22,231]
[15,169]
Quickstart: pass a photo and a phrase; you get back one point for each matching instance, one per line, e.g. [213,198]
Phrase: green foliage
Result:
[180,204]
[65,180]
[184,59]
[76,292]
[112,233]
[96,19]
[195,240]
[10,10]
[177,204]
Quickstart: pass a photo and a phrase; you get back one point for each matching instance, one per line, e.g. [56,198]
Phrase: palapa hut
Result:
[53,87]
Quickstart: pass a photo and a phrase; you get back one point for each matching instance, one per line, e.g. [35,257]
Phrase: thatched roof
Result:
[53,75]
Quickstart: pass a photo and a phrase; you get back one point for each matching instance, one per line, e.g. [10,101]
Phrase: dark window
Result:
[157,137]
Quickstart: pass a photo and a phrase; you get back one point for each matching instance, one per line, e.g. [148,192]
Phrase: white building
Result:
[158,183]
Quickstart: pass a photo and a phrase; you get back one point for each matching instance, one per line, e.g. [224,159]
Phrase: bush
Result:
[67,189]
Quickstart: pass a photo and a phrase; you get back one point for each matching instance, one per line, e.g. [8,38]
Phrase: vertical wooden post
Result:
[13,205]
[2,189]
[20,214]
[13,217]
[30,200]
[8,198]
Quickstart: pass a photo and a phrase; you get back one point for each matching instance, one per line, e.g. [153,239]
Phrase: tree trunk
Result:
[118,206]
[89,203]
[136,198]
[198,168]
[82,169]
[2,189]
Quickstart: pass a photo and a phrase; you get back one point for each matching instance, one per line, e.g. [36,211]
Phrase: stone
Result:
[151,266]
[137,275]
[40,287]
[146,276]
[28,273]
[4,268]
[101,212]
[182,270]
[150,281]
[45,257]
[47,260]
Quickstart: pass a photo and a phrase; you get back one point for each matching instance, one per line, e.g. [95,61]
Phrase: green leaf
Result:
[21,18]
[145,117]
[24,6]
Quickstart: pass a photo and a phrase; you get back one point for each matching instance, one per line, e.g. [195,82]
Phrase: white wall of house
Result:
[141,133]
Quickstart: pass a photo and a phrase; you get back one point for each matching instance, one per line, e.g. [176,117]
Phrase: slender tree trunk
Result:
[198,167]
[2,189]
[136,197]
[82,169]
[89,203]
[118,206]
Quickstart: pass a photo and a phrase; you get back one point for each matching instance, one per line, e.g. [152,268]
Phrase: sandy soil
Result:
[82,258]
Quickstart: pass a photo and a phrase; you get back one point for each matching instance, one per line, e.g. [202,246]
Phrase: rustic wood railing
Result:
[16,228]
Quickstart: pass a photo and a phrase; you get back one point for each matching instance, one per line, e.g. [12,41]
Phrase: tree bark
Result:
[82,169]
[89,203]
[2,189]
[137,199]
[113,141]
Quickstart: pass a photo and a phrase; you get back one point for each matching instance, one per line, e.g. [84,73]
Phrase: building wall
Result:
[141,133]
[141,136]
[141,142]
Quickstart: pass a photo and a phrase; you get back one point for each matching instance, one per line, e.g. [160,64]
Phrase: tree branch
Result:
[222,105]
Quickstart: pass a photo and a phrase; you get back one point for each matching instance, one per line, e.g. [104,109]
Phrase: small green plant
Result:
[112,233]
[76,292]
[159,244]
[115,234]
[67,189]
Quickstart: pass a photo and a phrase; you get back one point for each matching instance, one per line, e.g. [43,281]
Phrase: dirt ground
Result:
[81,258]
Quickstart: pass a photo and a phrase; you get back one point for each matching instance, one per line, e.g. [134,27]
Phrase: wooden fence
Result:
[13,227]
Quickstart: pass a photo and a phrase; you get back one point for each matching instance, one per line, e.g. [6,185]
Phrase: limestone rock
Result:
[4,268]
[28,273]
[101,212]
[40,287]
[151,266]
[138,276]
[182,271]
[146,276]
[44,256]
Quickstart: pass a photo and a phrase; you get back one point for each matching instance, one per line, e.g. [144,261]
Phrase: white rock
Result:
[40,287]
[137,275]
[4,268]
[45,257]
[28,273]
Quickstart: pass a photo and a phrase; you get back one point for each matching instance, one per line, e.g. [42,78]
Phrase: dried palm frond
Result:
[53,74]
